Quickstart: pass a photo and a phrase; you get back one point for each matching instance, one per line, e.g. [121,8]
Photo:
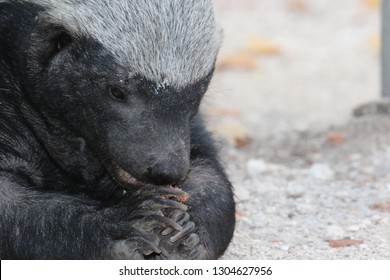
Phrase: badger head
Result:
[126,75]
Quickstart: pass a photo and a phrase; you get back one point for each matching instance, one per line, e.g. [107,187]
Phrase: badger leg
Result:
[211,204]
[207,225]
[50,225]
[209,222]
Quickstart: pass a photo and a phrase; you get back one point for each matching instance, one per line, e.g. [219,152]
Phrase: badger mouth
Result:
[127,182]
[122,177]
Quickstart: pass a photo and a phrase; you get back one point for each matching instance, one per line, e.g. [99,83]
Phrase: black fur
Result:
[71,122]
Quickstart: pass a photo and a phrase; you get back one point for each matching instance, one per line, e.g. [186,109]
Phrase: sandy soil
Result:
[311,180]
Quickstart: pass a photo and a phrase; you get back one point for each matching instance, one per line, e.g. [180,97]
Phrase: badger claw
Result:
[190,226]
[162,203]
[149,223]
[181,244]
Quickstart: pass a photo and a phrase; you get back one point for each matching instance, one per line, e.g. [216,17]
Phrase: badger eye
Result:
[62,41]
[117,94]
[57,44]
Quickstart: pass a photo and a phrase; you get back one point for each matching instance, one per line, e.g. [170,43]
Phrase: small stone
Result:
[355,157]
[255,167]
[321,171]
[369,170]
[376,219]
[242,194]
[285,248]
[294,190]
[334,232]
[259,223]
[366,222]
[354,228]
[304,209]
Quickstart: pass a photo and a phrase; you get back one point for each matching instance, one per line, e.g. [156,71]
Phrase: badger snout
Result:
[167,170]
[150,163]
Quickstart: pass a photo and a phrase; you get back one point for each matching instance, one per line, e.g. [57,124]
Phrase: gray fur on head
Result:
[173,42]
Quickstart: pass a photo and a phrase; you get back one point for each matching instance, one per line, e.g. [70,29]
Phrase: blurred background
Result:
[311,180]
[294,64]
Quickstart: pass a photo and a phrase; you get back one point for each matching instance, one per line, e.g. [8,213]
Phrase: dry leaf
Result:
[298,5]
[240,213]
[373,4]
[235,132]
[335,138]
[264,47]
[382,207]
[242,143]
[375,43]
[344,243]
[241,60]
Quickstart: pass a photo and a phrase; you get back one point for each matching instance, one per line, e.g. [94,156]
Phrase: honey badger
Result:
[103,154]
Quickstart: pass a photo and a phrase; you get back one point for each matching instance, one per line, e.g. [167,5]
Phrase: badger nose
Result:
[168,171]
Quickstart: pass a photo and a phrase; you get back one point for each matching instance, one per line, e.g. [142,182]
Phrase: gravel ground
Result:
[300,192]
[311,180]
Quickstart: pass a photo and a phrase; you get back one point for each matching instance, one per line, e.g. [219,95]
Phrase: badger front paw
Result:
[160,228]
[181,244]
[134,248]
[139,236]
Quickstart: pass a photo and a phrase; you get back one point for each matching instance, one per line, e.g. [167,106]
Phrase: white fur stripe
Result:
[170,41]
